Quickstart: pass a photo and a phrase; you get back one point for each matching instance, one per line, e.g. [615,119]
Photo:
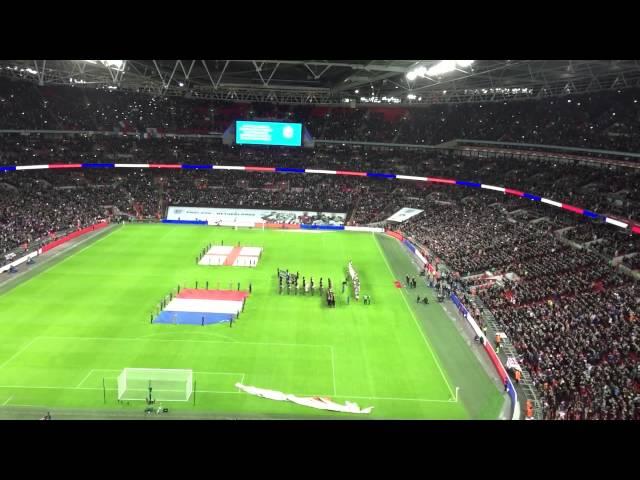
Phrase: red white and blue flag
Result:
[203,307]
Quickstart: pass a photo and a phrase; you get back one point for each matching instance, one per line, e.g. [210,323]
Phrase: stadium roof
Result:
[345,82]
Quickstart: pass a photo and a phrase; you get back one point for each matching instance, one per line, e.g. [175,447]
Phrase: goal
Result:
[160,384]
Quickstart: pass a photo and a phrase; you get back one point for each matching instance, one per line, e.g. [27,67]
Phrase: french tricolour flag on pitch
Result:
[202,307]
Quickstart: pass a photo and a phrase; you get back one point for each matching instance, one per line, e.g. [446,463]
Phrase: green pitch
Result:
[77,324]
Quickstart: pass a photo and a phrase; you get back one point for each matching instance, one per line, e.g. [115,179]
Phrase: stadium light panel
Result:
[114,64]
[464,63]
[441,68]
[117,64]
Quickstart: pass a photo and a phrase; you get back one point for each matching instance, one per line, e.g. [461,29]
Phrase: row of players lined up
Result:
[292,281]
[355,279]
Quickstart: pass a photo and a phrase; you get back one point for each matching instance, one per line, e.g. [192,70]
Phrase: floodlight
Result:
[115,64]
[439,69]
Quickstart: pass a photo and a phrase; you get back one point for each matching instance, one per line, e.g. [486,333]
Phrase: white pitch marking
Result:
[117,370]
[18,352]
[400,399]
[49,387]
[139,339]
[85,378]
[73,254]
[69,251]
[7,400]
[417,324]
[25,387]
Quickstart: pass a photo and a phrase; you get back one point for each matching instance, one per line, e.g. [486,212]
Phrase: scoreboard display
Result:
[268,133]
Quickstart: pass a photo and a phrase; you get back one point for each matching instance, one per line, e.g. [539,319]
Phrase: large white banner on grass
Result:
[321,403]
[249,217]
[404,214]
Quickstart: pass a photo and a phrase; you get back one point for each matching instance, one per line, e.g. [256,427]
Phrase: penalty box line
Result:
[53,387]
[330,347]
[79,386]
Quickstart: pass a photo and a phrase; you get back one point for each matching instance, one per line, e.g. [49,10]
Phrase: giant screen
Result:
[268,133]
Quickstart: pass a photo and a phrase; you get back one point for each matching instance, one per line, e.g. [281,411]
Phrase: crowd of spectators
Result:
[633,262]
[570,315]
[607,120]
[581,348]
[36,212]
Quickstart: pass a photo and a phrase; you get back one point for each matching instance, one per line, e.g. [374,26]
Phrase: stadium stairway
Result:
[354,208]
[507,349]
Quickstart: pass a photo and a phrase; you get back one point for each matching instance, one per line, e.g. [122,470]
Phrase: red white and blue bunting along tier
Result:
[620,223]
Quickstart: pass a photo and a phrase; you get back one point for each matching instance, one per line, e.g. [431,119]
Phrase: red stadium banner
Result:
[393,234]
[441,180]
[511,191]
[165,165]
[497,364]
[260,169]
[71,236]
[65,165]
[286,226]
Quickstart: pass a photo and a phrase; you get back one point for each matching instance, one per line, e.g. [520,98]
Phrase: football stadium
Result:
[315,239]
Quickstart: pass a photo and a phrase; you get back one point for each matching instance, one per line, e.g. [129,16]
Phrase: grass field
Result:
[82,320]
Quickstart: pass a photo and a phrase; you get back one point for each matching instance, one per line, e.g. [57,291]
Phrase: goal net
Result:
[167,385]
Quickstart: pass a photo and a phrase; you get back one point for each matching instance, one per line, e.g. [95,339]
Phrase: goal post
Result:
[159,384]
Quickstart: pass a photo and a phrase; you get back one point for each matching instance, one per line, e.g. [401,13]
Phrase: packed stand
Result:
[608,120]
